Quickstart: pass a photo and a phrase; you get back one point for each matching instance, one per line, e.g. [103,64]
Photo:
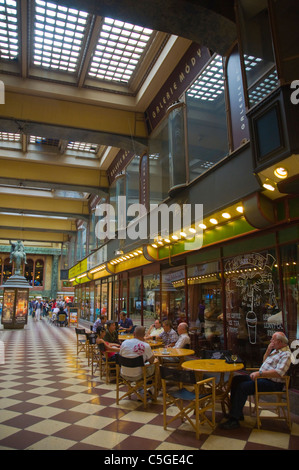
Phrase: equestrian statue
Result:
[18,255]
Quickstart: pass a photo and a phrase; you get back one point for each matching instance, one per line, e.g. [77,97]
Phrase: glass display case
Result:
[15,307]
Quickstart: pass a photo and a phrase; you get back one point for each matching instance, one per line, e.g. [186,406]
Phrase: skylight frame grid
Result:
[210,84]
[9,137]
[59,36]
[119,50]
[82,147]
[9,30]
[33,139]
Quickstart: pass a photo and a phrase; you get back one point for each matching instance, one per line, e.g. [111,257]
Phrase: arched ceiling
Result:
[61,128]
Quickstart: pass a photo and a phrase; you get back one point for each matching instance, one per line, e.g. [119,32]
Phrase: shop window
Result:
[135,299]
[258,57]
[290,276]
[253,306]
[39,273]
[206,119]
[205,308]
[173,295]
[151,298]
[159,164]
[7,269]
[29,270]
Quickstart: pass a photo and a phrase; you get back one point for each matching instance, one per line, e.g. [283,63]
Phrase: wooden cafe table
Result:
[216,366]
[179,353]
[153,344]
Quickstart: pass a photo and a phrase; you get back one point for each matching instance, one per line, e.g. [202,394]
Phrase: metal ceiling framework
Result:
[60,129]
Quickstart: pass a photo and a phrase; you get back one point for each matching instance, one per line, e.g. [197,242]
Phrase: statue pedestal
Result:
[15,302]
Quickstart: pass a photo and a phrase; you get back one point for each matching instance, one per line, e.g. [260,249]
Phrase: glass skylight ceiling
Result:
[210,83]
[9,47]
[118,51]
[82,146]
[58,36]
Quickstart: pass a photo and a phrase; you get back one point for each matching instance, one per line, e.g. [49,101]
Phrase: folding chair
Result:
[277,402]
[108,365]
[90,345]
[61,319]
[81,342]
[140,387]
[199,400]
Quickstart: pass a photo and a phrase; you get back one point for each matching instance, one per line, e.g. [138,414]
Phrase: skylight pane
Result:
[9,44]
[118,40]
[56,30]
[83,147]
[206,87]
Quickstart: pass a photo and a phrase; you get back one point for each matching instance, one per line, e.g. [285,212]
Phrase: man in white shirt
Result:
[183,339]
[154,330]
[135,347]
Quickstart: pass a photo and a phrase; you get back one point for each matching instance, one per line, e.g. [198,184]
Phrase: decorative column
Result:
[54,278]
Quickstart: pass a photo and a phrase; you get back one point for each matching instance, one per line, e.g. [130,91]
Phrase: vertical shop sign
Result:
[239,123]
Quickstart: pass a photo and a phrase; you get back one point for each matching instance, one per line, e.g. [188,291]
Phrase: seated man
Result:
[134,347]
[154,330]
[111,334]
[277,360]
[183,339]
[125,323]
[169,336]
[100,321]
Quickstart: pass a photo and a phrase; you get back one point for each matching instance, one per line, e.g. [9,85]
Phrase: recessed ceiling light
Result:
[226,215]
[269,186]
[214,221]
[281,172]
[240,209]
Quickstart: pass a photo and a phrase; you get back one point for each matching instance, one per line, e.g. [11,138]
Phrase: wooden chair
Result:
[97,361]
[61,321]
[140,387]
[108,365]
[81,342]
[199,400]
[277,402]
[90,345]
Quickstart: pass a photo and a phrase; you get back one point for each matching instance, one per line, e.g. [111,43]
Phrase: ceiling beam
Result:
[15,171]
[72,121]
[42,206]
[19,234]
[18,222]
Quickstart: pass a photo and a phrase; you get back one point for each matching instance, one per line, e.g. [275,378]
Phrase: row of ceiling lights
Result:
[182,235]
[160,242]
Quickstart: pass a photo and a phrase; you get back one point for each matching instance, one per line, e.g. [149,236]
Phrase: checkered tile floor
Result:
[50,401]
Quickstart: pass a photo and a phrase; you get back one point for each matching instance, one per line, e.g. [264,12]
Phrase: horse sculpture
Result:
[18,255]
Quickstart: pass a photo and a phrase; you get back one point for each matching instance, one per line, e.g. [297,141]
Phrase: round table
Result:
[216,366]
[179,353]
[123,337]
[212,365]
[154,344]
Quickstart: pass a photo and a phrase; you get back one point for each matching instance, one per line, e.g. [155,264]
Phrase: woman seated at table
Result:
[111,348]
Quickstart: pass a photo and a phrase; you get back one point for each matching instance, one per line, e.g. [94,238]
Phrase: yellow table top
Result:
[211,365]
[173,352]
[123,337]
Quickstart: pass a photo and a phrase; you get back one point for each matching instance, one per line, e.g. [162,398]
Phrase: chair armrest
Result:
[205,381]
